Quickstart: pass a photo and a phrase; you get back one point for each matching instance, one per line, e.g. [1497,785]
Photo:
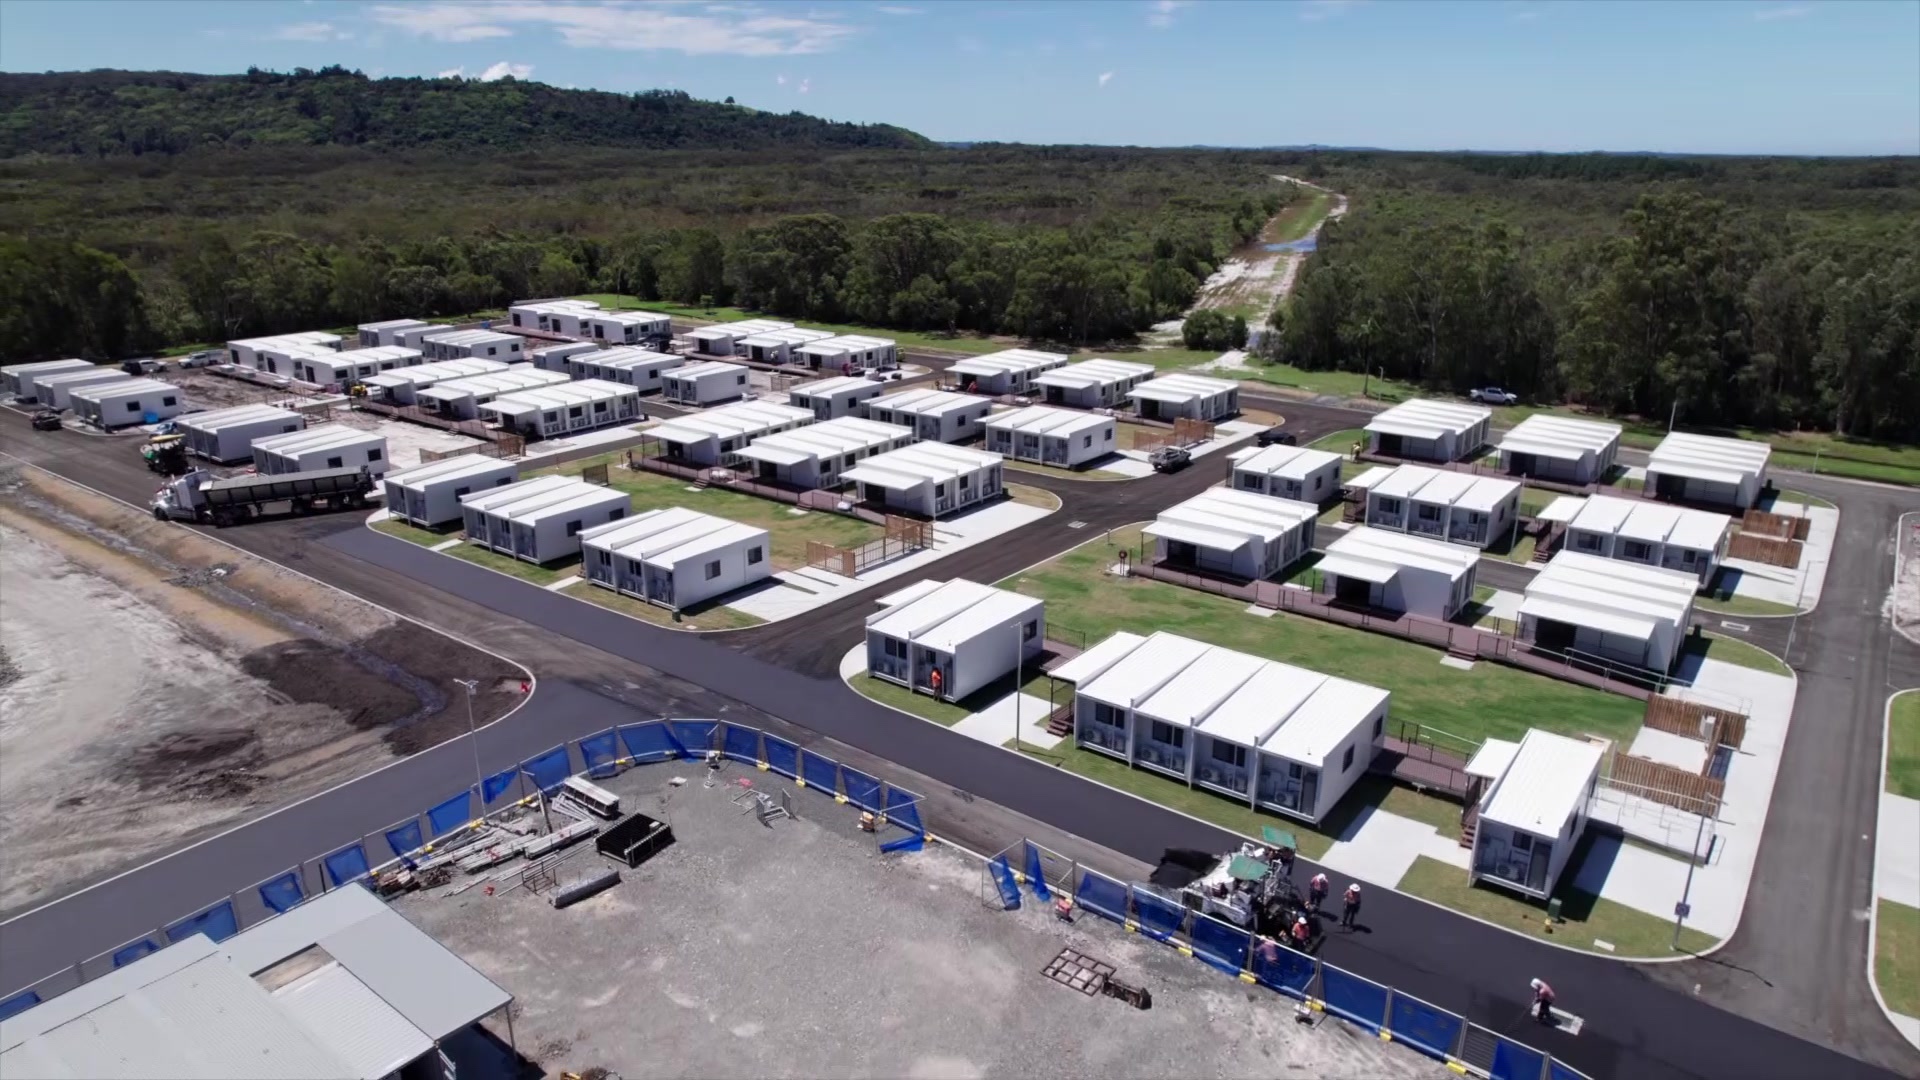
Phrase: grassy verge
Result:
[1587,918]
[526,571]
[949,713]
[1896,958]
[708,616]
[1903,751]
[1734,651]
[1490,700]
[1033,496]
[1339,441]
[411,534]
[1342,383]
[1735,604]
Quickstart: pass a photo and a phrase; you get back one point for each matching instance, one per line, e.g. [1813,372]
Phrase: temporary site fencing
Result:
[1392,1015]
[451,821]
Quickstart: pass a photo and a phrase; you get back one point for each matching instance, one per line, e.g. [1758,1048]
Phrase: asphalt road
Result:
[1636,1027]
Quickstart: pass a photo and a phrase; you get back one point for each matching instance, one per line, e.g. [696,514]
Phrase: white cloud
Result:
[452,73]
[779,80]
[1160,13]
[1320,10]
[1776,13]
[1105,78]
[503,69]
[644,26]
[896,9]
[806,85]
[310,31]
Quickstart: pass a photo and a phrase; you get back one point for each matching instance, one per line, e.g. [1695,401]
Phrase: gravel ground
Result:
[799,950]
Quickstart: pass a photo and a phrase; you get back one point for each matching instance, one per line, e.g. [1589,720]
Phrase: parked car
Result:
[1170,459]
[203,358]
[46,420]
[1276,436]
[143,367]
[1493,395]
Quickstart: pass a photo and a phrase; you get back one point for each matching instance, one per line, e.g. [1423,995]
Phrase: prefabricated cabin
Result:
[1061,438]
[1654,534]
[1398,572]
[849,352]
[777,346]
[631,328]
[227,435]
[1533,809]
[429,495]
[559,357]
[1708,469]
[928,479]
[54,390]
[330,446]
[1560,448]
[1233,533]
[343,369]
[111,405]
[676,558]
[714,437]
[1300,473]
[951,638]
[1460,508]
[934,415]
[538,314]
[1185,397]
[1009,371]
[628,365]
[1620,612]
[402,385]
[18,377]
[473,344]
[1092,384]
[375,334]
[830,399]
[720,339]
[547,412]
[814,456]
[1430,430]
[705,383]
[540,520]
[462,399]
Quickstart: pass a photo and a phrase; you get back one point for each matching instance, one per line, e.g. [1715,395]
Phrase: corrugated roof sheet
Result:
[1424,418]
[1094,661]
[1192,694]
[352,1022]
[930,402]
[446,469]
[1286,462]
[437,370]
[953,614]
[829,438]
[1405,550]
[836,386]
[627,356]
[1242,515]
[559,395]
[736,330]
[1181,388]
[131,387]
[1442,487]
[1709,457]
[669,535]
[1610,595]
[1324,721]
[845,343]
[1091,373]
[517,377]
[235,417]
[326,437]
[1561,437]
[1544,784]
[520,489]
[749,418]
[927,462]
[1652,522]
[1044,420]
[1009,362]
[704,369]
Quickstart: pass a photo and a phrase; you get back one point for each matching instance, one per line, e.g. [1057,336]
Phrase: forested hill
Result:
[110,113]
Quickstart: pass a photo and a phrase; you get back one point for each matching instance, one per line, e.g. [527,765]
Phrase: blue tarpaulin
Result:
[599,752]
[1037,874]
[1158,917]
[1559,1070]
[547,770]
[863,791]
[453,814]
[782,756]
[648,742]
[1362,1001]
[18,1003]
[819,772]
[1102,895]
[127,954]
[742,744]
[1282,968]
[903,809]
[497,785]
[283,893]
[347,864]
[1003,878]
[696,737]
[1424,1026]
[405,839]
[1512,1061]
[217,922]
[1220,944]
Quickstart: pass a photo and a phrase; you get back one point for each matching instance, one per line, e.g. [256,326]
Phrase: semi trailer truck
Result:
[200,496]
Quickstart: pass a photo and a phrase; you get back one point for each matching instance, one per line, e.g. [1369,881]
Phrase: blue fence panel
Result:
[1102,895]
[1359,1000]
[283,893]
[741,744]
[1221,944]
[497,785]
[823,773]
[903,809]
[648,742]
[863,791]
[1560,1070]
[127,954]
[347,864]
[18,1003]
[1281,968]
[696,737]
[453,814]
[1425,1027]
[782,756]
[600,752]
[1159,918]
[217,922]
[1003,877]
[1512,1061]
[549,769]
[405,840]
[1037,874]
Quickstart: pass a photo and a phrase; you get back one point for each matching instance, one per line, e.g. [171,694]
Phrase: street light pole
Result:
[472,686]
[1019,669]
[1681,909]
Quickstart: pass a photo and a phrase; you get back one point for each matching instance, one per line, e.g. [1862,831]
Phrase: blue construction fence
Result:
[1390,1014]
[898,826]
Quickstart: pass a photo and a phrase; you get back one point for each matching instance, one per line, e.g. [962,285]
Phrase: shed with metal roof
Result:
[1531,814]
[1430,430]
[1601,609]
[954,639]
[1398,572]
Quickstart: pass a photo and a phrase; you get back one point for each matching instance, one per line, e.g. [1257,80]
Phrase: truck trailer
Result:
[199,496]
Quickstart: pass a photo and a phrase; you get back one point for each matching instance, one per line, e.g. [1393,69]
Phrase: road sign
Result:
[1682,909]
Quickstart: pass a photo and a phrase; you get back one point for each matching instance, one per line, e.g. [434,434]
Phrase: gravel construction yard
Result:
[164,686]
[798,950]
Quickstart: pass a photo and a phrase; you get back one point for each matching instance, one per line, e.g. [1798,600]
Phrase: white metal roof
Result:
[1197,689]
[1660,523]
[561,304]
[474,337]
[703,369]
[921,463]
[1043,420]
[77,377]
[236,416]
[517,377]
[398,354]
[668,536]
[1145,670]
[96,392]
[1708,457]
[288,341]
[1561,437]
[1324,721]
[453,468]
[953,614]
[1096,660]
[845,343]
[327,437]
[1562,508]
[627,356]
[630,318]
[1258,706]
[519,489]
[1227,519]
[1370,479]
[1398,550]
[741,329]
[1424,418]
[1090,373]
[352,1021]
[790,335]
[557,502]
[35,367]
[1609,595]
[1491,760]
[1181,388]
[1444,487]
[394,324]
[835,387]
[1009,362]
[746,418]
[1286,462]
[1544,785]
[558,395]
[829,438]
[438,369]
[930,402]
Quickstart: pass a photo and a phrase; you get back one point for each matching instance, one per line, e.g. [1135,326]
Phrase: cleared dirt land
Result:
[157,686]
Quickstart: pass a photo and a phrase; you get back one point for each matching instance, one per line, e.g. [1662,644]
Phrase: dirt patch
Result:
[309,671]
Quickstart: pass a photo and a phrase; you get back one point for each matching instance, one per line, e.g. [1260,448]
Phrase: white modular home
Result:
[429,495]
[815,456]
[416,337]
[928,479]
[1430,430]
[1610,610]
[227,435]
[538,314]
[1062,438]
[1532,810]
[1399,573]
[540,520]
[560,357]
[951,638]
[376,334]
[18,377]
[715,436]
[548,412]
[54,390]
[849,352]
[402,385]
[1300,473]
[934,415]
[330,446]
[1708,469]
[1460,508]
[1653,534]
[1234,533]
[1092,384]
[131,401]
[1185,397]
[1560,448]
[1010,371]
[462,399]
[473,344]
[674,557]
[777,346]
[720,339]
[830,399]
[337,371]
[1270,734]
[571,322]
[631,328]
[247,352]
[628,365]
[704,383]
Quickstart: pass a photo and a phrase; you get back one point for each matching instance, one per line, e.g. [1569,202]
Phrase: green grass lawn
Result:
[949,713]
[1586,917]
[538,574]
[1903,753]
[1533,500]
[1340,441]
[1734,651]
[1741,605]
[1896,957]
[1033,496]
[1343,383]
[1490,700]
[709,616]
[412,534]
[1298,219]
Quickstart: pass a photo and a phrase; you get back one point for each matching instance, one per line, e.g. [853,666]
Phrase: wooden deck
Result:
[1423,767]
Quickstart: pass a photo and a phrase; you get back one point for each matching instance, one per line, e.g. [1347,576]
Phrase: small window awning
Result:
[1363,569]
[773,455]
[1607,622]
[892,481]
[1563,508]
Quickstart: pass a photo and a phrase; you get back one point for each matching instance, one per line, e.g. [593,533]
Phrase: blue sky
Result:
[1733,76]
